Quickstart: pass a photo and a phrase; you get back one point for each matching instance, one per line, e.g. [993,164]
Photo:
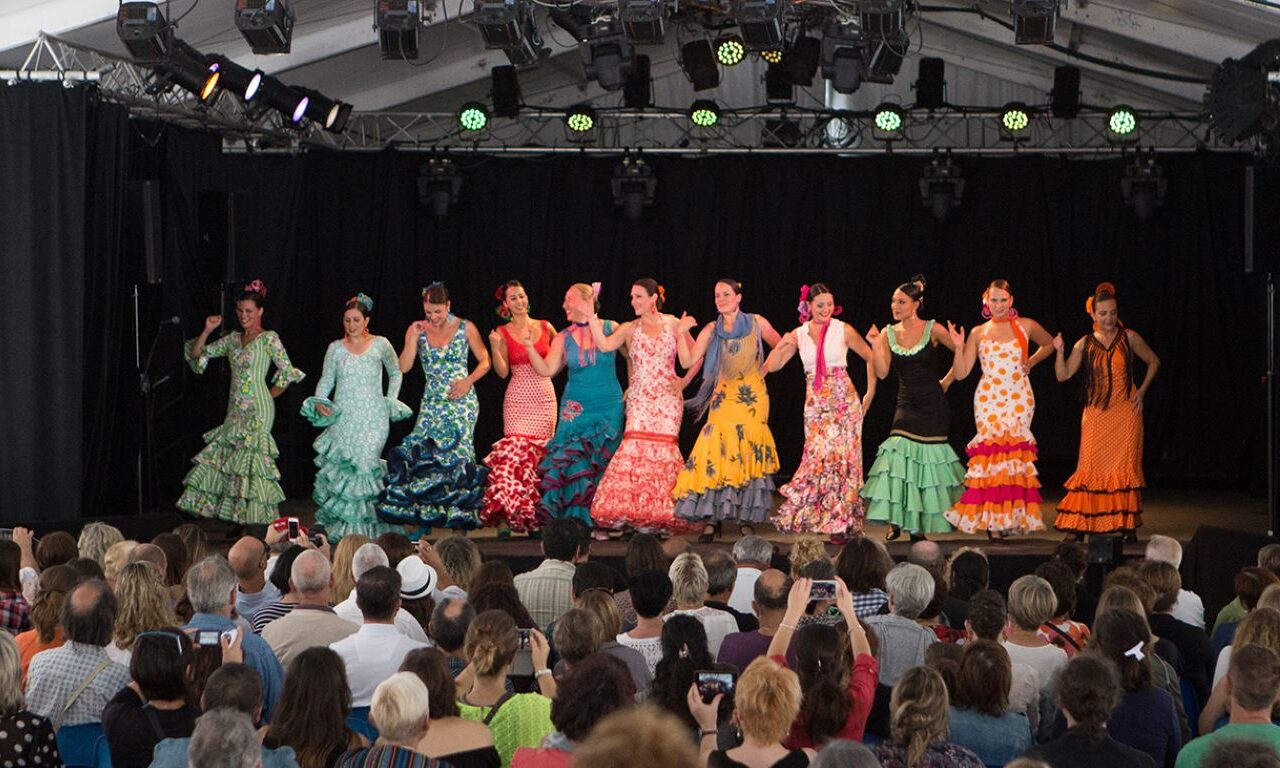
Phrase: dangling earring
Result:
[986,311]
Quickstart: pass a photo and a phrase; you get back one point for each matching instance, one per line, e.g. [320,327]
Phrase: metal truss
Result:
[766,129]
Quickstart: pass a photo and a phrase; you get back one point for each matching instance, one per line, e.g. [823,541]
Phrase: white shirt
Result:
[744,590]
[717,623]
[405,623]
[1189,609]
[1045,660]
[372,655]
[834,350]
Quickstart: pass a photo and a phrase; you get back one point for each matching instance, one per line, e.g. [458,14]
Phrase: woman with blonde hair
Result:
[919,724]
[143,607]
[805,550]
[1261,626]
[766,699]
[115,559]
[343,554]
[96,538]
[612,742]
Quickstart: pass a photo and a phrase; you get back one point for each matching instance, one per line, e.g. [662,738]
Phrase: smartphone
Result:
[522,639]
[6,534]
[207,638]
[822,590]
[230,635]
[315,532]
[293,528]
[712,683]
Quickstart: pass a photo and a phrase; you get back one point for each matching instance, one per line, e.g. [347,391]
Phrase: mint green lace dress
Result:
[235,477]
[351,472]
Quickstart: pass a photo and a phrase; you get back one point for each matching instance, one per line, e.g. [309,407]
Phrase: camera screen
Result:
[822,590]
[711,684]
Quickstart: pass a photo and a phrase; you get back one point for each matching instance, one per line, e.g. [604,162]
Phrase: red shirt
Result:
[862,690]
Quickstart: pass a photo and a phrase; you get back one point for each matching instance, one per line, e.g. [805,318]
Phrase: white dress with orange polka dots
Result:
[1002,491]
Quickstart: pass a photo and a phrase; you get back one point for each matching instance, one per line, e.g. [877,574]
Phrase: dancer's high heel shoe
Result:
[709,533]
[894,533]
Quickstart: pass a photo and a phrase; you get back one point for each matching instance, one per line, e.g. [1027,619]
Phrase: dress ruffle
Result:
[1086,511]
[234,477]
[731,468]
[635,492]
[428,485]
[1002,490]
[347,491]
[575,461]
[745,504]
[912,484]
[511,496]
[310,411]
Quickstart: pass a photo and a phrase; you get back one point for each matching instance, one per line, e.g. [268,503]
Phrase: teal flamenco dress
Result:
[350,471]
[432,476]
[916,476]
[588,433]
[235,477]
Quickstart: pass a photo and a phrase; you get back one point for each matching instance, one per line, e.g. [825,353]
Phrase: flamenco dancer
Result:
[235,477]
[590,411]
[916,476]
[528,416]
[356,422]
[635,492]
[728,474]
[432,476]
[823,495]
[1002,492]
[1105,493]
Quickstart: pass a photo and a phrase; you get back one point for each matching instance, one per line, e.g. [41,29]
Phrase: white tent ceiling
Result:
[335,51]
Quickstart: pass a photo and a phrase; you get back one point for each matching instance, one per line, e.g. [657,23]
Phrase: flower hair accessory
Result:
[1102,288]
[803,306]
[662,294]
[500,293]
[1136,652]
[256,286]
[595,288]
[363,300]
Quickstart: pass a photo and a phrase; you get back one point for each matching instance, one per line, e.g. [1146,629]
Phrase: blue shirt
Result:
[995,740]
[172,753]
[248,604]
[257,654]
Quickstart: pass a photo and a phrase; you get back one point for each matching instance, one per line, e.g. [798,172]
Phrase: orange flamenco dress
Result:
[1105,493]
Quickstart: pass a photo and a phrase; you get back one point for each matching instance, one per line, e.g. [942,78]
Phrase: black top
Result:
[746,622]
[133,729]
[796,758]
[26,736]
[1077,748]
[922,413]
[481,757]
[1193,646]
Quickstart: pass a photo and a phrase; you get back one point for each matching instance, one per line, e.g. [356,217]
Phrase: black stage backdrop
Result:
[317,227]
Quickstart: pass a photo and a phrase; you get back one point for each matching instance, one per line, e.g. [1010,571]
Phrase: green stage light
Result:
[473,116]
[704,113]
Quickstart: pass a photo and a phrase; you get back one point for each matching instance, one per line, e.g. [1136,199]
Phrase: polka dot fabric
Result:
[27,741]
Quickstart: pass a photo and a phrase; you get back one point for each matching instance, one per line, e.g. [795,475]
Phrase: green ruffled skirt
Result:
[912,484]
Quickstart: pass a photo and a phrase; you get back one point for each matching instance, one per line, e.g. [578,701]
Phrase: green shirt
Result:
[522,721]
[1266,734]
[1232,611]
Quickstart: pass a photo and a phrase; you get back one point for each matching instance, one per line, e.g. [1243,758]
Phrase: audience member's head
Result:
[1116,597]
[344,578]
[397,546]
[461,558]
[612,743]
[1253,679]
[970,573]
[311,577]
[805,550]
[722,572]
[378,594]
[944,658]
[11,700]
[769,596]
[491,643]
[210,585]
[248,560]
[89,614]
[1128,578]
[910,589]
[823,664]
[505,598]
[143,604]
[605,609]
[918,713]
[367,556]
[55,548]
[492,572]
[115,559]
[644,553]
[401,709]
[983,678]
[650,592]
[578,634]
[1062,581]
[842,753]
[753,550]
[688,581]
[449,623]
[1087,690]
[86,568]
[311,714]
[588,576]
[1269,558]
[224,738]
[46,612]
[1164,549]
[158,664]
[1239,753]
[766,700]
[234,686]
[96,538]
[1072,554]
[176,557]
[283,568]
[1031,602]
[928,555]
[1165,582]
[684,652]
[593,688]
[863,564]
[988,615]
[1250,582]
[1270,597]
[1261,626]
[432,668]
[560,540]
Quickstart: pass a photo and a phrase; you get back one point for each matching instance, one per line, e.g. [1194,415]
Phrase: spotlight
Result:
[941,186]
[885,58]
[244,83]
[633,186]
[888,122]
[1122,123]
[144,30]
[438,185]
[187,68]
[730,50]
[398,23]
[1034,21]
[1243,95]
[473,116]
[283,99]
[1015,120]
[580,124]
[330,114]
[509,25]
[760,23]
[1144,186]
[704,113]
[843,51]
[883,18]
[699,64]
[267,25]
[772,56]
[606,54]
[644,21]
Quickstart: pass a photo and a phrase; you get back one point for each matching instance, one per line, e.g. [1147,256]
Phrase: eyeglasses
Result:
[175,638]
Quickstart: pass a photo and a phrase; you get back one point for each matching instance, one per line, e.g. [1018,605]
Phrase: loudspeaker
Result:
[1066,91]
[142,231]
[931,84]
[1210,561]
[637,92]
[1261,224]
[220,238]
[506,91]
[1106,550]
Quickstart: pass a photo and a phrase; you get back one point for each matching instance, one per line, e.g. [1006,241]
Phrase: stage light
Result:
[730,50]
[330,114]
[509,25]
[267,25]
[699,64]
[438,185]
[772,56]
[704,113]
[1244,94]
[888,122]
[883,18]
[1122,123]
[473,116]
[760,23]
[843,55]
[283,99]
[188,69]
[239,80]
[1034,21]
[1143,186]
[144,30]
[1066,91]
[606,54]
[941,186]
[580,119]
[398,23]
[1015,120]
[885,58]
[633,186]
[644,21]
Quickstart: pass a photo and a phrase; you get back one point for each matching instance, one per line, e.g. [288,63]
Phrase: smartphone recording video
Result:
[822,590]
[522,639]
[293,528]
[208,637]
[712,684]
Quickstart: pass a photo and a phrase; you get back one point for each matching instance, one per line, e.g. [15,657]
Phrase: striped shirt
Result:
[269,613]
[386,757]
[547,591]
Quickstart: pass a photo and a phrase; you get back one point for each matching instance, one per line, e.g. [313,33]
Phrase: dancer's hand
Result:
[459,389]
[686,323]
[873,335]
[414,330]
[1136,397]
[1058,344]
[323,409]
[495,336]
[526,337]
[211,323]
[956,334]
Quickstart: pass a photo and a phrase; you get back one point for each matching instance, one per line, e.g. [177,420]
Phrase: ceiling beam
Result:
[56,17]
[1155,27]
